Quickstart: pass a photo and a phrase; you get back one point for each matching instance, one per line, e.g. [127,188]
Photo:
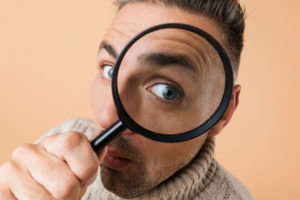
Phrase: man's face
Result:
[135,164]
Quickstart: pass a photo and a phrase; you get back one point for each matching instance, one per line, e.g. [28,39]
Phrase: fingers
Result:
[46,170]
[60,167]
[75,149]
[25,188]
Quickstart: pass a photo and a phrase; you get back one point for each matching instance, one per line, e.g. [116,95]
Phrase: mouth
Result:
[115,160]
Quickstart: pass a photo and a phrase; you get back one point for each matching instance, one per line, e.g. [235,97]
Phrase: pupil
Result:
[169,93]
[110,72]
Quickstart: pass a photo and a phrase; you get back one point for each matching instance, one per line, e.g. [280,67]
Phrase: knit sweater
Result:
[202,179]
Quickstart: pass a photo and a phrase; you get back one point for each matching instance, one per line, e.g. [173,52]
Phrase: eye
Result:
[108,71]
[165,91]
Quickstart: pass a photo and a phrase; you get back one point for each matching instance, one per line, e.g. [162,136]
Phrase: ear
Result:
[228,113]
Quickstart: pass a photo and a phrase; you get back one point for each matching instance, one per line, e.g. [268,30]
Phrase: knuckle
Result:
[69,188]
[72,139]
[22,151]
[89,172]
[8,168]
[46,140]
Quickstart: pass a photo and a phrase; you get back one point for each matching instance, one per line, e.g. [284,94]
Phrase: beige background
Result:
[48,61]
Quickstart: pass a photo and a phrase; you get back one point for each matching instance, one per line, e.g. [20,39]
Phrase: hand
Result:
[59,167]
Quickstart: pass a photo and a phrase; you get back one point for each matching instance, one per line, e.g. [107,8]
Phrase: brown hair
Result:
[227,13]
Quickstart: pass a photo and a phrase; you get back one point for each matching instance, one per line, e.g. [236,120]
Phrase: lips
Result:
[115,160]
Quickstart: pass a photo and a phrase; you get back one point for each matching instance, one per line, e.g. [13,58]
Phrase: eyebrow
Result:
[165,59]
[156,58]
[109,48]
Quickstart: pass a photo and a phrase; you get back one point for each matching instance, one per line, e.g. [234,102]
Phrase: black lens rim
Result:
[229,81]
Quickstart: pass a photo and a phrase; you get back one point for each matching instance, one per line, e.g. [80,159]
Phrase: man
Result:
[62,164]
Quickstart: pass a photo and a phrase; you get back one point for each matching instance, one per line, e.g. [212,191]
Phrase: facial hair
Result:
[135,179]
[132,181]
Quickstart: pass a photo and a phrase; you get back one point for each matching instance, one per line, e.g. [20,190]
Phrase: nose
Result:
[108,115]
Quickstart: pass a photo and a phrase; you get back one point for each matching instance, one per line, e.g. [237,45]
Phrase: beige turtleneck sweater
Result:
[202,179]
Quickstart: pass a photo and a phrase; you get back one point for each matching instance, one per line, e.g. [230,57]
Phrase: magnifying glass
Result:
[171,83]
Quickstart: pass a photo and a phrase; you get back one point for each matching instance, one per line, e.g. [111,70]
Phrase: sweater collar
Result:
[190,180]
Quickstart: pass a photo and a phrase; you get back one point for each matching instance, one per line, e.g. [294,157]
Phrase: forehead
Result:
[136,17]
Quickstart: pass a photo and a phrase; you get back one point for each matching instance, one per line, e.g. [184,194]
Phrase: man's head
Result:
[135,164]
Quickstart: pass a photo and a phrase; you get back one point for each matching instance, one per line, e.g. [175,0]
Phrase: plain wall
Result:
[48,62]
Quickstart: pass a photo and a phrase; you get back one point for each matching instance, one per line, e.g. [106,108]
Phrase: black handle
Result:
[107,136]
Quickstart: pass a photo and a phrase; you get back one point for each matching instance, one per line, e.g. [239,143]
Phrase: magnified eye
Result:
[165,91]
[108,71]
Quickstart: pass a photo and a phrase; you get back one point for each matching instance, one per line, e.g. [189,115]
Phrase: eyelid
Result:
[102,65]
[105,60]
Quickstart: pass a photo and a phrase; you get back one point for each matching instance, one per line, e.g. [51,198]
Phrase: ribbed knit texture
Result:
[202,179]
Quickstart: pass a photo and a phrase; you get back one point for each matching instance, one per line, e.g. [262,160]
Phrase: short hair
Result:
[228,14]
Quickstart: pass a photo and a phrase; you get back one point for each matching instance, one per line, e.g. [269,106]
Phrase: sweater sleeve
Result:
[80,125]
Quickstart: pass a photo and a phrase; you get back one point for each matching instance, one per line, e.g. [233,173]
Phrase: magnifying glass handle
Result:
[107,136]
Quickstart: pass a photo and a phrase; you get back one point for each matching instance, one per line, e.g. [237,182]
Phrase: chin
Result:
[125,184]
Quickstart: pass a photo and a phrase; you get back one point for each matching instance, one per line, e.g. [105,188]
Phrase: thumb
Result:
[102,154]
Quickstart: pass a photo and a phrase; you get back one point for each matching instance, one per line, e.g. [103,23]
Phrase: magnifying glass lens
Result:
[171,81]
